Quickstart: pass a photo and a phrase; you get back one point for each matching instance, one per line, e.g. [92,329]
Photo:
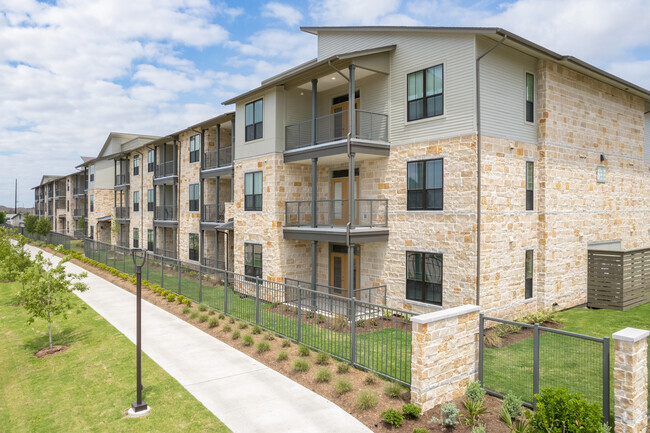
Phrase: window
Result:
[151,160]
[424,93]
[136,201]
[530,183]
[150,239]
[529,274]
[530,97]
[195,146]
[254,117]
[91,172]
[136,237]
[424,185]
[92,202]
[136,165]
[253,260]
[92,232]
[194,247]
[67,205]
[424,277]
[150,202]
[194,197]
[253,191]
[68,184]
[67,226]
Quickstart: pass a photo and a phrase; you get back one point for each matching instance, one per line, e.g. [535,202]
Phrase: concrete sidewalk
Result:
[243,393]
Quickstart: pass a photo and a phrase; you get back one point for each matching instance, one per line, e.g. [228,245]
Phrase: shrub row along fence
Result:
[368,335]
[529,357]
[53,238]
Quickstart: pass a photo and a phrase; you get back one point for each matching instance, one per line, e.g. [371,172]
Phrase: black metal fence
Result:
[53,238]
[521,359]
[368,335]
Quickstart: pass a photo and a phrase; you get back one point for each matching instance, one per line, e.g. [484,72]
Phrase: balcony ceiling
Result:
[333,80]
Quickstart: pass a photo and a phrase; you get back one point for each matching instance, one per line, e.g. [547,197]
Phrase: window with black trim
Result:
[530,185]
[530,97]
[253,191]
[67,205]
[195,147]
[529,274]
[151,160]
[194,247]
[136,165]
[194,197]
[253,260]
[150,201]
[136,201]
[136,237]
[425,185]
[254,120]
[92,202]
[424,277]
[92,232]
[91,172]
[150,239]
[424,93]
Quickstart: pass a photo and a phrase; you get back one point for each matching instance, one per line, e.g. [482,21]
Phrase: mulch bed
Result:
[46,352]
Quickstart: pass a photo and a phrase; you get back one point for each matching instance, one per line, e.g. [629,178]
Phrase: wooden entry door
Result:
[341,122]
[340,200]
[339,272]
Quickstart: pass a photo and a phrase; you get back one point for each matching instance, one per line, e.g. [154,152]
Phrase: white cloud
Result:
[286,13]
[358,12]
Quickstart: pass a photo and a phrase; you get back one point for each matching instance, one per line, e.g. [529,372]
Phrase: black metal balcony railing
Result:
[122,212]
[121,179]
[165,213]
[166,169]
[213,213]
[334,213]
[213,263]
[224,158]
[332,127]
[79,212]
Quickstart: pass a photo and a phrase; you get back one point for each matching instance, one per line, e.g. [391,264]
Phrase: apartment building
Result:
[268,190]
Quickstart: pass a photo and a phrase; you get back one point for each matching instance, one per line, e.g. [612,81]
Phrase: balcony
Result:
[221,158]
[371,136]
[166,169]
[122,213]
[78,191]
[213,213]
[332,217]
[165,213]
[121,180]
[170,254]
[79,212]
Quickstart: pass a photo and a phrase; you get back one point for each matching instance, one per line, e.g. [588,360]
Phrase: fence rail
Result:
[379,340]
[53,238]
[618,280]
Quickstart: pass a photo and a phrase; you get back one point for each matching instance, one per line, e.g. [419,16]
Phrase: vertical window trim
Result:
[194,153]
[530,189]
[193,201]
[424,96]
[151,160]
[424,185]
[423,281]
[253,207]
[247,267]
[136,165]
[136,201]
[150,203]
[528,281]
[527,118]
[253,124]
[91,173]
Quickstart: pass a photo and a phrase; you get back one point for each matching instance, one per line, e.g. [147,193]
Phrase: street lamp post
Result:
[140,407]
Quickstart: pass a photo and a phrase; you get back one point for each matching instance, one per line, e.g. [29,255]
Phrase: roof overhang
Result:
[104,219]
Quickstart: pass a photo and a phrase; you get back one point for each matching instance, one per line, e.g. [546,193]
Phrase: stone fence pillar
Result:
[444,354]
[630,380]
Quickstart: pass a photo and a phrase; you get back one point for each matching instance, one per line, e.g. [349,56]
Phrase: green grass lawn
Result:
[564,361]
[89,386]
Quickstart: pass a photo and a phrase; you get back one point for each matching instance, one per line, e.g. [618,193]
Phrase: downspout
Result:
[478,168]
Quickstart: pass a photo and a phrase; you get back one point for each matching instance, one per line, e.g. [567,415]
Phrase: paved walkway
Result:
[243,393]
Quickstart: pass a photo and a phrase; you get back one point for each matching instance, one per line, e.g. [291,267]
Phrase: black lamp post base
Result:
[137,410]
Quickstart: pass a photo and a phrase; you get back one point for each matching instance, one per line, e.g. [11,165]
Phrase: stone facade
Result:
[104,206]
[630,381]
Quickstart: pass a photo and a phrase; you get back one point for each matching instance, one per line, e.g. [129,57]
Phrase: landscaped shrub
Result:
[226,328]
[180,299]
[186,310]
[283,356]
[194,314]
[256,330]
[539,316]
[367,400]
[286,342]
[478,429]
[393,390]
[503,329]
[323,375]
[420,430]
[411,411]
[300,365]
[342,367]
[475,409]
[269,336]
[303,350]
[203,308]
[448,414]
[235,334]
[242,325]
[343,386]
[475,391]
[370,379]
[188,302]
[203,318]
[559,411]
[213,322]
[322,358]
[263,346]
[393,417]
[320,318]
[222,316]
[171,297]
[211,312]
[248,340]
[513,405]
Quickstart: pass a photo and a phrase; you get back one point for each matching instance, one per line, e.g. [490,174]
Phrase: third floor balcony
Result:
[213,213]
[122,212]
[217,158]
[165,213]
[121,180]
[166,169]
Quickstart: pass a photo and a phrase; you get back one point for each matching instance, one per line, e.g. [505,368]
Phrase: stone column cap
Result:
[445,314]
[631,335]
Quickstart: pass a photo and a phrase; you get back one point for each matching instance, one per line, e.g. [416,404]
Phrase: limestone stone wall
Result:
[104,206]
[143,219]
[444,355]
[631,381]
[188,174]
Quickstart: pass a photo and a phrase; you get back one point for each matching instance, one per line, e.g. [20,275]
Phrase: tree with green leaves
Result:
[14,259]
[49,289]
[30,223]
[43,226]
[81,224]
[3,217]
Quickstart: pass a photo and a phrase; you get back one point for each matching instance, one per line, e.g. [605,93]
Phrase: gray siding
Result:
[503,92]
[273,126]
[646,139]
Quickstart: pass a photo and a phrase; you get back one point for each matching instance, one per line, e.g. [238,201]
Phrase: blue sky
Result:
[71,71]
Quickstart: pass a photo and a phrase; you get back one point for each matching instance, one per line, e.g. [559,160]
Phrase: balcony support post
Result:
[314,264]
[202,148]
[314,189]
[351,279]
[351,108]
[202,200]
[216,202]
[216,248]
[351,191]
[218,146]
[314,101]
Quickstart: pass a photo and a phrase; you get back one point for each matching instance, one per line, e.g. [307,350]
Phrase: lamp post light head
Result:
[139,255]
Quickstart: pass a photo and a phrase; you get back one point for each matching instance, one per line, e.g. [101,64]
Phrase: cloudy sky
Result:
[71,71]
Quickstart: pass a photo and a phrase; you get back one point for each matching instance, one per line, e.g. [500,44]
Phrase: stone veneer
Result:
[630,380]
[444,355]
[104,206]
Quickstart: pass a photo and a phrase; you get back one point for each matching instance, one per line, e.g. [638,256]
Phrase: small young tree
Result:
[43,226]
[49,289]
[3,217]
[14,259]
[81,224]
[30,223]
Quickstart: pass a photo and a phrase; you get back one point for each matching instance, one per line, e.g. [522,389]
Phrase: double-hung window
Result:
[530,97]
[253,191]
[424,277]
[195,147]
[194,197]
[136,237]
[253,260]
[150,239]
[91,172]
[254,120]
[425,185]
[92,202]
[150,202]
[136,201]
[136,165]
[530,185]
[529,274]
[194,247]
[425,93]
[151,160]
